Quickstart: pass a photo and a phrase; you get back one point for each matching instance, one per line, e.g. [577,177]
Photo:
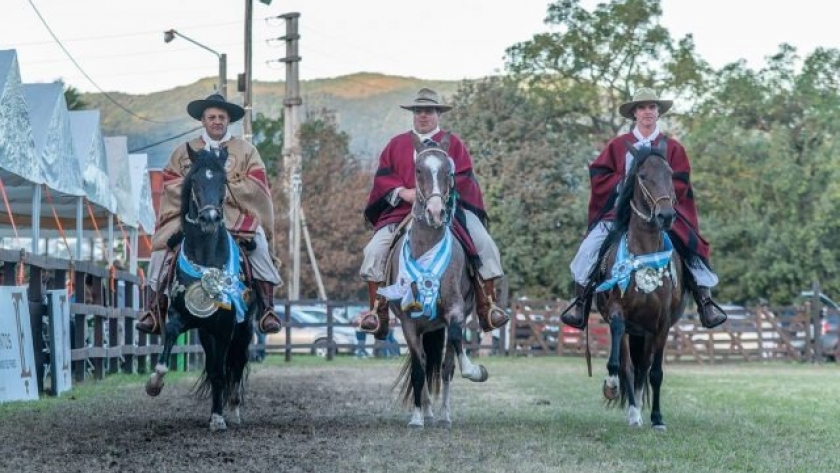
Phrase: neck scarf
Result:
[212,145]
[641,141]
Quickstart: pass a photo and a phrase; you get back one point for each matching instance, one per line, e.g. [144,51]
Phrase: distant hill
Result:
[365,104]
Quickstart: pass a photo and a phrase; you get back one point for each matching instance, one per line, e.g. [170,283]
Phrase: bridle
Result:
[195,203]
[446,197]
[653,202]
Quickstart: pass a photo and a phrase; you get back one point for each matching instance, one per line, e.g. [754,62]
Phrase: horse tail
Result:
[433,344]
[236,368]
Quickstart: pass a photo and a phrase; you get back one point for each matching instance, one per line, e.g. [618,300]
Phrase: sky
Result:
[119,43]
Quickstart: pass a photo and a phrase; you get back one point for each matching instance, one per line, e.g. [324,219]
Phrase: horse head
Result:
[203,192]
[434,177]
[653,196]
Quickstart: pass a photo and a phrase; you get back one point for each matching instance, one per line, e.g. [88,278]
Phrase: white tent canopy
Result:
[90,150]
[119,177]
[142,189]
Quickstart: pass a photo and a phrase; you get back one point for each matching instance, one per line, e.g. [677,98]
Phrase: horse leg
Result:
[237,360]
[475,373]
[446,378]
[418,381]
[173,328]
[656,377]
[611,382]
[628,380]
[215,349]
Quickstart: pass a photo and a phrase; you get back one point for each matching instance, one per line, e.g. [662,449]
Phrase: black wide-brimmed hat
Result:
[196,107]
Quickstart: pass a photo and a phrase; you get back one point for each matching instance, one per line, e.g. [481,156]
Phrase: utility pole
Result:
[247,132]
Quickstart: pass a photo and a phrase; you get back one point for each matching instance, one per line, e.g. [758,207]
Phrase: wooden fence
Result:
[104,341]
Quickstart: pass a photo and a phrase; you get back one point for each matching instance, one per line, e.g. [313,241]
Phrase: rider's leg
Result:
[150,320]
[582,265]
[373,271]
[700,280]
[490,315]
[266,278]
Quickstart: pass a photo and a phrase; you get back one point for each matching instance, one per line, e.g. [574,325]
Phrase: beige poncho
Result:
[247,204]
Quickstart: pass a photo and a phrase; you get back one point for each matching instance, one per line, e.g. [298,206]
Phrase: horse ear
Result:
[190,153]
[418,145]
[662,148]
[632,149]
[444,143]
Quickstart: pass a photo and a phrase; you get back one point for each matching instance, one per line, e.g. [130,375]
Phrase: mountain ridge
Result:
[365,104]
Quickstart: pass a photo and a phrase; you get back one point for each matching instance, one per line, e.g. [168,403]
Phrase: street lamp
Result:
[169,35]
[247,132]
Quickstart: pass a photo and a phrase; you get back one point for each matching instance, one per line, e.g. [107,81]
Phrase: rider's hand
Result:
[407,195]
[249,245]
[174,240]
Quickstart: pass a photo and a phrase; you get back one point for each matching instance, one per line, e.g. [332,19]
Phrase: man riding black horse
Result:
[248,209]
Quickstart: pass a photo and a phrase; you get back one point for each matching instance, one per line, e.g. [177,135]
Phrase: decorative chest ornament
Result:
[648,270]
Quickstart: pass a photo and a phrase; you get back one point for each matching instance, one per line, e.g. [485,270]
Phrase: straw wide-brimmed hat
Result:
[644,95]
[196,107]
[427,98]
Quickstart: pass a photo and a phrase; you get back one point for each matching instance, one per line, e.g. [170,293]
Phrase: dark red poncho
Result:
[608,169]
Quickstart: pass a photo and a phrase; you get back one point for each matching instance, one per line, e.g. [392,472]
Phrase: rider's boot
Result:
[490,316]
[711,315]
[577,317]
[149,321]
[375,320]
[269,321]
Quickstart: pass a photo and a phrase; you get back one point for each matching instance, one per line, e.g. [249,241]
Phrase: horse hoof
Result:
[482,375]
[217,423]
[234,417]
[444,424]
[415,425]
[660,428]
[610,390]
[153,388]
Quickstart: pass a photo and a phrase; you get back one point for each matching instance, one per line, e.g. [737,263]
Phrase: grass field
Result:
[538,415]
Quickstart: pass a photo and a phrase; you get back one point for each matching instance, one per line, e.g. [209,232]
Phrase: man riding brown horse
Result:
[390,202]
[248,209]
[607,174]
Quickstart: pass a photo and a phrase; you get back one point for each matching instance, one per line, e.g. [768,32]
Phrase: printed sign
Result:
[17,360]
[60,366]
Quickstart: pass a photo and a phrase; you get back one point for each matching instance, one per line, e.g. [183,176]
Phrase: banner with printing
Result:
[60,366]
[18,380]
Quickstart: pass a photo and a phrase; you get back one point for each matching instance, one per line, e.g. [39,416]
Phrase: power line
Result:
[70,56]
[166,139]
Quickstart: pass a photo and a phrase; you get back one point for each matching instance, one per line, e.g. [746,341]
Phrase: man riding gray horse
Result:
[390,202]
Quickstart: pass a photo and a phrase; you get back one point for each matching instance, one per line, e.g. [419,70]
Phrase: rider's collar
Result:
[427,136]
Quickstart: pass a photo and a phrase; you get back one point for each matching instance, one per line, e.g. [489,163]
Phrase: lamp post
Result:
[247,131]
[169,35]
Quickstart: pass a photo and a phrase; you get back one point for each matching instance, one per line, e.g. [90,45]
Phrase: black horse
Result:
[207,293]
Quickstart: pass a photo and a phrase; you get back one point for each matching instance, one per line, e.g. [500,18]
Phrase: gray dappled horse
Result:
[441,295]
[643,295]
[206,291]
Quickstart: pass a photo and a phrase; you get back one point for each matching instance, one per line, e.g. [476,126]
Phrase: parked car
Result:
[313,337]
[829,339]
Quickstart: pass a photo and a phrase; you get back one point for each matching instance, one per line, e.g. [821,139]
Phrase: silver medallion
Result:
[199,302]
[648,280]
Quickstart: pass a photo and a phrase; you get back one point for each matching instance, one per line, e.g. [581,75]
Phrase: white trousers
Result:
[587,256]
[376,251]
[261,263]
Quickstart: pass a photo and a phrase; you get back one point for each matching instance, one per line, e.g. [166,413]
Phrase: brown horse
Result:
[433,293]
[641,295]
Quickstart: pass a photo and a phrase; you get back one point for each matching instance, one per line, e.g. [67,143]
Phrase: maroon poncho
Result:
[608,169]
[396,169]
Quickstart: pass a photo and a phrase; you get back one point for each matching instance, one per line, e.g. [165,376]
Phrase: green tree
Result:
[333,195]
[74,98]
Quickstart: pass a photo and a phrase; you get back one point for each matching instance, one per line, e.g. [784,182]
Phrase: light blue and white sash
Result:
[426,272]
[627,263]
[228,289]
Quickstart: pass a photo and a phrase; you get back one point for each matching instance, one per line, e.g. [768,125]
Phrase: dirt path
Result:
[299,419]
